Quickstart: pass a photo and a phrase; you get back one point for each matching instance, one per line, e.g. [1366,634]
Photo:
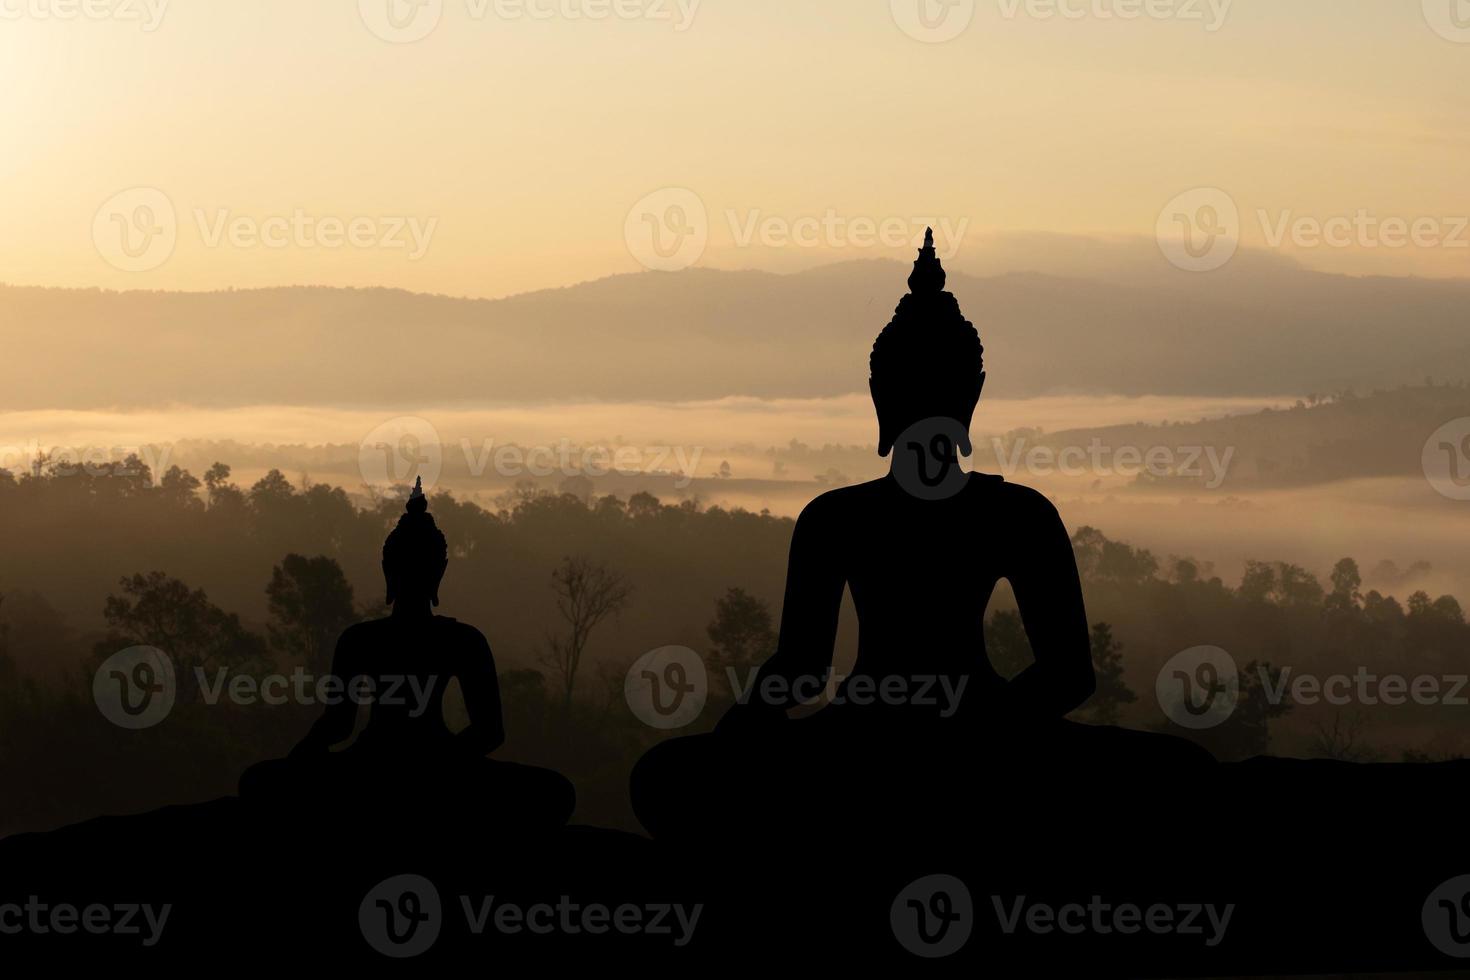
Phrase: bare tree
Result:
[1343,741]
[586,594]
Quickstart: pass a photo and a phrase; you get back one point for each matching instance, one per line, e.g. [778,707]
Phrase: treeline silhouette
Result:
[570,590]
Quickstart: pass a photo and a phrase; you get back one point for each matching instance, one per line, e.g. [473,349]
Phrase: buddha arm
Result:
[1048,592]
[814,582]
[481,689]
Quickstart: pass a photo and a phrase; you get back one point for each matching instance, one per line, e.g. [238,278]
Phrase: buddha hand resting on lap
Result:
[402,667]
[921,550]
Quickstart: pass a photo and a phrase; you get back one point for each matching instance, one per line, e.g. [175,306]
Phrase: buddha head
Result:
[928,362]
[415,554]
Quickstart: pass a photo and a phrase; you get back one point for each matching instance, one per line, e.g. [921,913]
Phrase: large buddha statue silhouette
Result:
[406,759]
[921,551]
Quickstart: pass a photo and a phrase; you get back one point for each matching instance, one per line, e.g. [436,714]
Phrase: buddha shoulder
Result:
[1022,501]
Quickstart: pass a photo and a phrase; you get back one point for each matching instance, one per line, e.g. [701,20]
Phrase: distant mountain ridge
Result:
[1249,329]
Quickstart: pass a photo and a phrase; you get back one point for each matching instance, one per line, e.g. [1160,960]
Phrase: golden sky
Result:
[523,144]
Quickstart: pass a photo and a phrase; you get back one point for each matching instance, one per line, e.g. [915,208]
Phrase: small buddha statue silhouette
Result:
[921,551]
[401,667]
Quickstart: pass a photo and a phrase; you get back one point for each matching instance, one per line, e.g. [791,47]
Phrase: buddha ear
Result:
[886,436]
[886,440]
[389,579]
[967,448]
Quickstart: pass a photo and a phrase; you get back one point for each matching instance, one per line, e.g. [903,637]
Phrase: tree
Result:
[586,594]
[1259,581]
[311,604]
[1103,560]
[742,636]
[1006,644]
[180,487]
[1343,741]
[1280,582]
[1347,580]
[220,491]
[217,476]
[1104,707]
[272,487]
[1247,732]
[643,505]
[155,610]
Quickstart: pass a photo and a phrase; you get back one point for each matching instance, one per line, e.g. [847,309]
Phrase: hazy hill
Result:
[1254,328]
